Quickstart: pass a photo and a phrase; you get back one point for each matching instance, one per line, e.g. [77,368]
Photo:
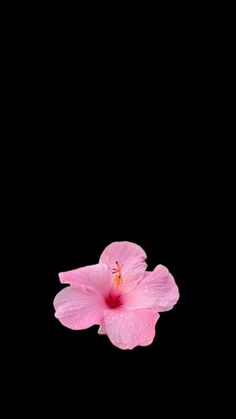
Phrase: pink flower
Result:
[117,294]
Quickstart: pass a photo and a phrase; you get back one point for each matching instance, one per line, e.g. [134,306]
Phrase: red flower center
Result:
[113,300]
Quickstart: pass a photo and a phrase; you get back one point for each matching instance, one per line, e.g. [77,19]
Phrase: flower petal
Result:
[123,252]
[127,329]
[97,276]
[157,290]
[79,309]
[132,273]
[132,259]
[102,329]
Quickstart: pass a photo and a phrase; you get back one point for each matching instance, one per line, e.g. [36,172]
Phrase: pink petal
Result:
[97,276]
[127,329]
[122,252]
[132,273]
[131,256]
[78,308]
[157,290]
[102,328]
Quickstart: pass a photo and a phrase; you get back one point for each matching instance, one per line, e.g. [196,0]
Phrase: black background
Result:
[120,180]
[122,146]
[124,164]
[144,194]
[121,165]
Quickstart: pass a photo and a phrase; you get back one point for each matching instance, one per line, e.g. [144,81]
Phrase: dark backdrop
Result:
[117,148]
[146,195]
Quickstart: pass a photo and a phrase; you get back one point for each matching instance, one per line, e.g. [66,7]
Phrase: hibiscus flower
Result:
[118,294]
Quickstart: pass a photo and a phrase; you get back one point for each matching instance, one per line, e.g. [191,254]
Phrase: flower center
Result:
[113,300]
[117,272]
